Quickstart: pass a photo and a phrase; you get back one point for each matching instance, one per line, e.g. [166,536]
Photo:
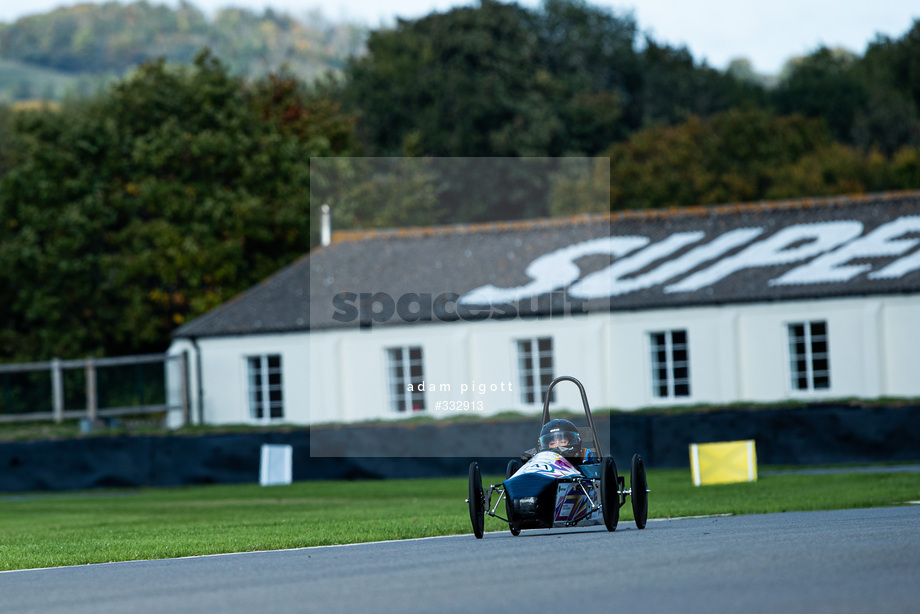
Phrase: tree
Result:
[673,87]
[366,193]
[127,214]
[823,85]
[741,69]
[591,68]
[462,83]
[111,38]
[5,128]
[748,156]
[581,185]
[468,84]
[501,80]
[732,156]
[890,70]
[104,37]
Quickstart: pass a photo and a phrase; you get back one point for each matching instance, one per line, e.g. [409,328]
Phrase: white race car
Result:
[563,482]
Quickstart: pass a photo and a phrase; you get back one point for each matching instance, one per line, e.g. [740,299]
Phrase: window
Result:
[405,369]
[265,390]
[809,366]
[535,369]
[670,364]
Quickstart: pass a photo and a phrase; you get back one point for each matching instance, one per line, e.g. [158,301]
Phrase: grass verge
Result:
[46,530]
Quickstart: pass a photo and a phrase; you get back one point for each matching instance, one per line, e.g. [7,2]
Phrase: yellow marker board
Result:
[723,462]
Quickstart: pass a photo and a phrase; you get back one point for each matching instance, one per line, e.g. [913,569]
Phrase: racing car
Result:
[563,482]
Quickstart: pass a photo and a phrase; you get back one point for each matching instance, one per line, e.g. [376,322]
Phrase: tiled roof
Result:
[737,253]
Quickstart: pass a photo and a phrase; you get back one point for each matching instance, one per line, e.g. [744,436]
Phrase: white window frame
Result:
[812,376]
[541,376]
[400,374]
[671,383]
[259,391]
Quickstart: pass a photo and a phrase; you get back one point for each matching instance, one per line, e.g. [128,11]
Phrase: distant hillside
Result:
[76,49]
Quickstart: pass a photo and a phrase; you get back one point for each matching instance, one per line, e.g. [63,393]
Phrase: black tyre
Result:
[513,466]
[639,487]
[509,510]
[610,497]
[477,501]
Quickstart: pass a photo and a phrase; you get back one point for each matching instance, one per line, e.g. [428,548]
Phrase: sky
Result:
[766,32]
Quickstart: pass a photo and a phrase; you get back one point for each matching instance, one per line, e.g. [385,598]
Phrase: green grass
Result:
[44,530]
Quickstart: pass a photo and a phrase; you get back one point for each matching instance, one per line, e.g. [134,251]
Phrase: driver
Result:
[562,437]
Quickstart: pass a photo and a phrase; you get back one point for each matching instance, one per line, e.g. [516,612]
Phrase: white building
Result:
[757,303]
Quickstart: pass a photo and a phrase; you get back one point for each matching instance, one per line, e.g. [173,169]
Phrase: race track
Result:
[809,562]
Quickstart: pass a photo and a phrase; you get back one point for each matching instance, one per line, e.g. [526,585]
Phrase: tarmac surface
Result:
[865,560]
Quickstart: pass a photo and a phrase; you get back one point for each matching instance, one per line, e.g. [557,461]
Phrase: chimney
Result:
[325,231]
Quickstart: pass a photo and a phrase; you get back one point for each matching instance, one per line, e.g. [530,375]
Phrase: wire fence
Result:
[94,388]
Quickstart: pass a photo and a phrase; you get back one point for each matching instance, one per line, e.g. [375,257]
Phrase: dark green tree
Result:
[127,214]
[672,87]
[501,80]
[824,85]
[6,118]
[587,55]
[890,70]
[462,83]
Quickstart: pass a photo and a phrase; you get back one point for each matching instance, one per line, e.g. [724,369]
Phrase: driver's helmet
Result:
[560,436]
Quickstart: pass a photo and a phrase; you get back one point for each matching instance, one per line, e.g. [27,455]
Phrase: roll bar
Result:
[584,402]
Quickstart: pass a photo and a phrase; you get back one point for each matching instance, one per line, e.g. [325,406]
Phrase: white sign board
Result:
[276,465]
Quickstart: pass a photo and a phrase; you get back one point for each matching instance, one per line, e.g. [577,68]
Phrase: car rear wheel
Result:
[610,497]
[639,488]
[477,501]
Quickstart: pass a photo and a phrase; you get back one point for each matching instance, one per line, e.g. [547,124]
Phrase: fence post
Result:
[57,390]
[183,380]
[92,405]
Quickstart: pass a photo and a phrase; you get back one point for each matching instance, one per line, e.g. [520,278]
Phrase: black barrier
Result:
[801,436]
[810,435]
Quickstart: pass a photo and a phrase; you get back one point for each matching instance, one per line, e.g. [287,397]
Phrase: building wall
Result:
[738,353]
[900,335]
[864,361]
[473,362]
[219,393]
